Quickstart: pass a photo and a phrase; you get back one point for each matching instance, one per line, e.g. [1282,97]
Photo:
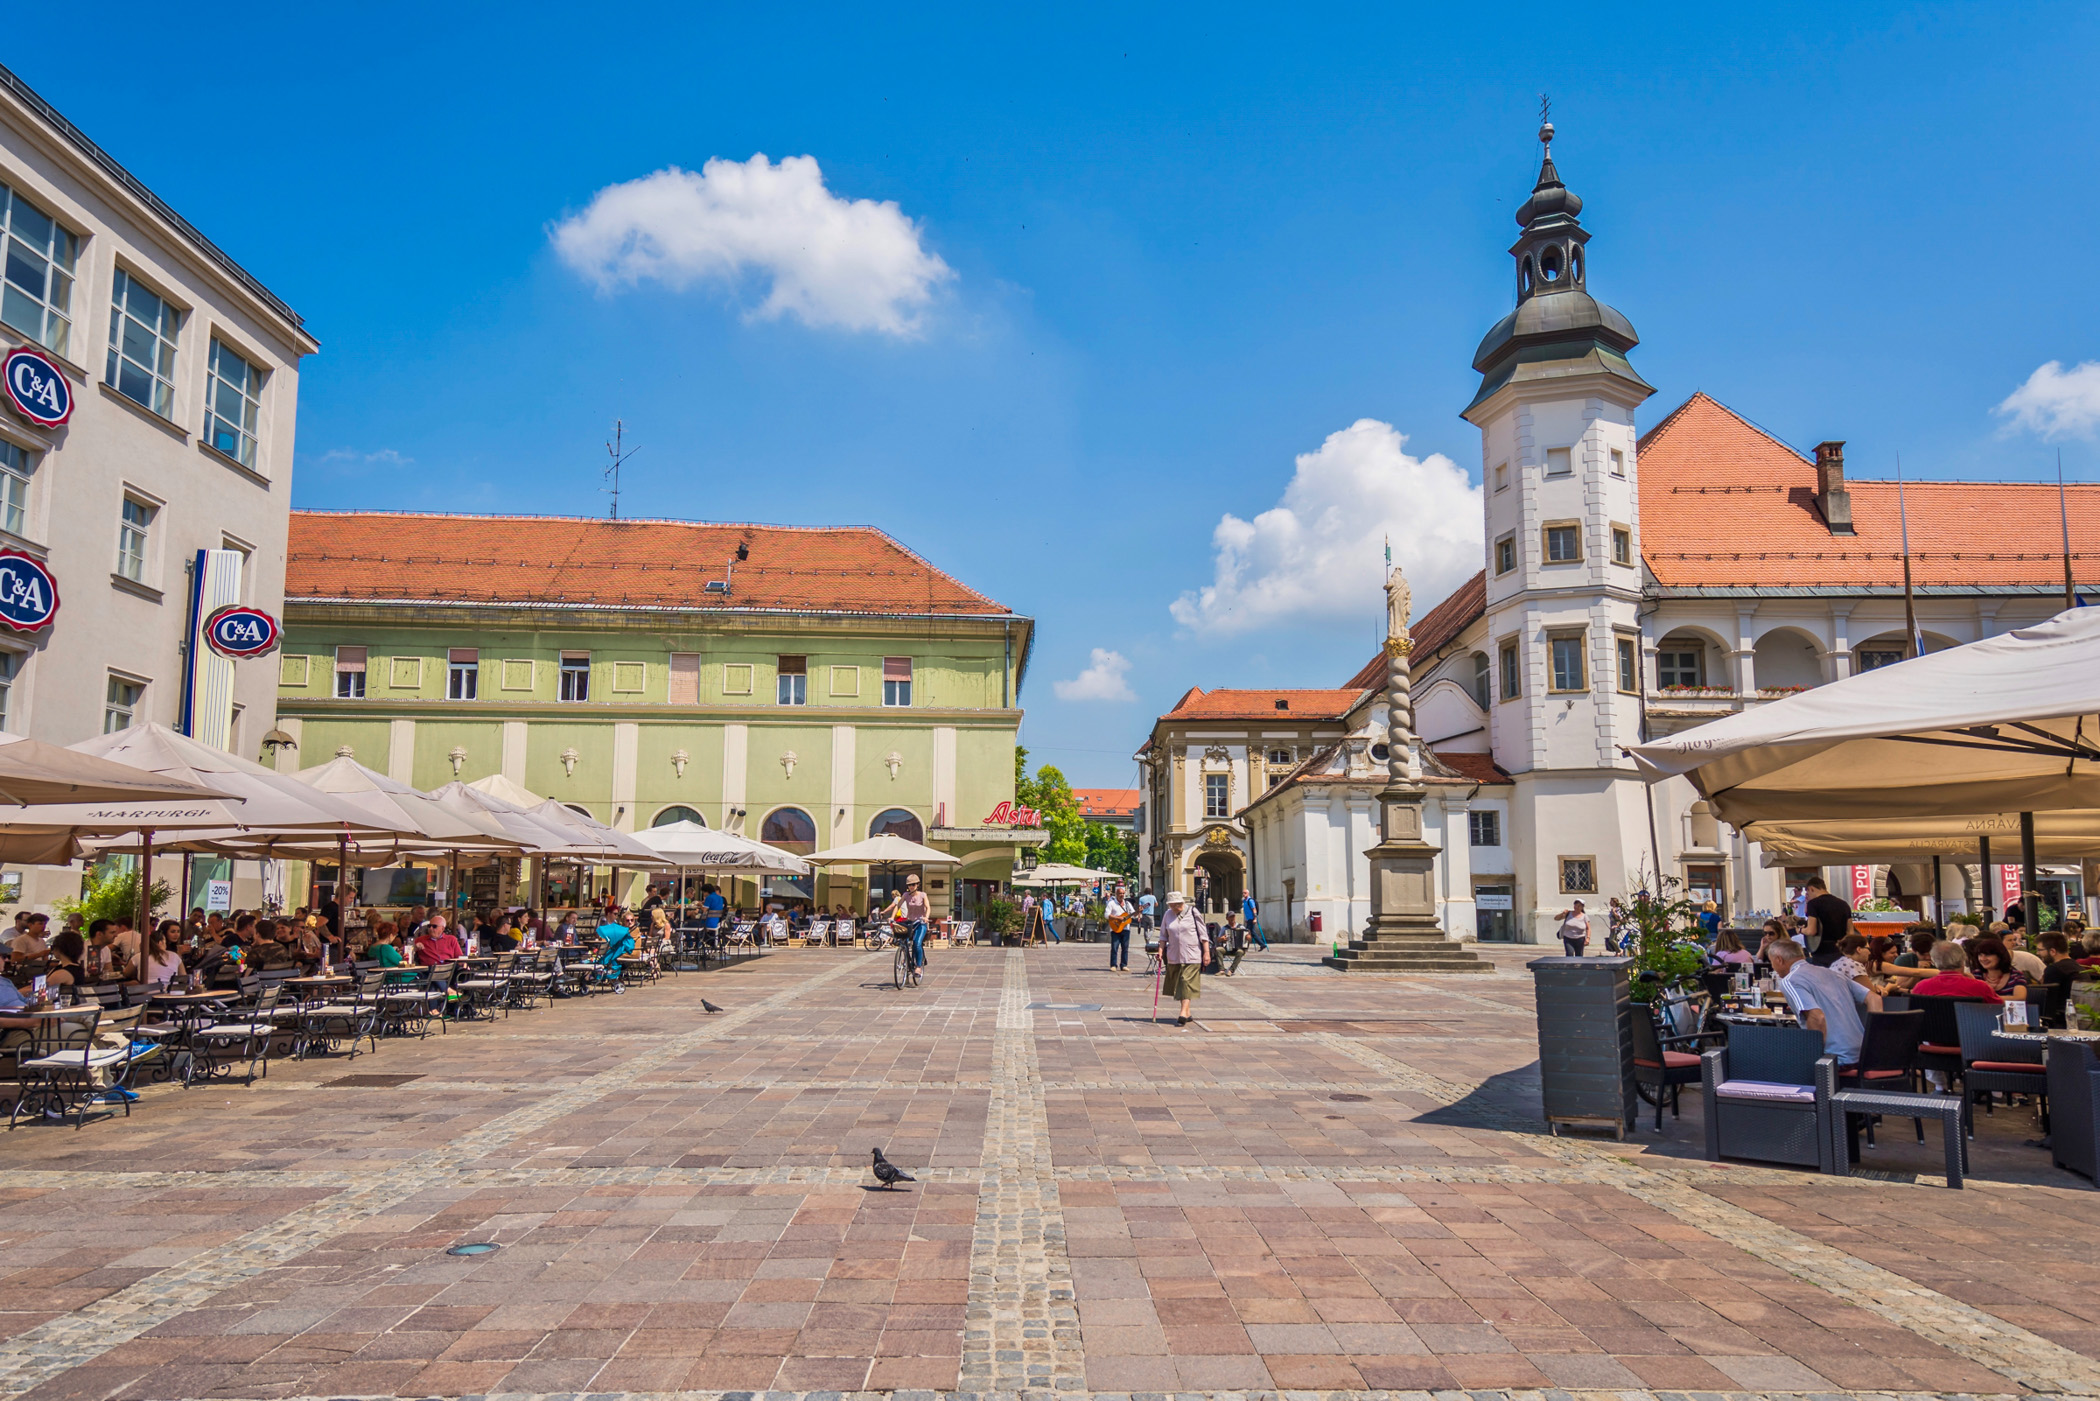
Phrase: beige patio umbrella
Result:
[1887,841]
[35,773]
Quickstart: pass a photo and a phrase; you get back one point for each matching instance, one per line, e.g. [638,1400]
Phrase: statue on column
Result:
[1399,696]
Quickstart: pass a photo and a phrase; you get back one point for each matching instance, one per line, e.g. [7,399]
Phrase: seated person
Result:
[1824,1000]
[1992,963]
[1950,977]
[30,943]
[68,967]
[438,944]
[1729,949]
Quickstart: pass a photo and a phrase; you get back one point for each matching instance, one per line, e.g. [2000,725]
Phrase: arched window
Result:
[1575,262]
[790,829]
[1550,265]
[675,813]
[579,809]
[898,822]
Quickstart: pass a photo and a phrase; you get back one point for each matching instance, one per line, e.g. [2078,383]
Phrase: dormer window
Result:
[1282,704]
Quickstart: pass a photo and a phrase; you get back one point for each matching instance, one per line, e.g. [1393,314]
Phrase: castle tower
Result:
[1555,412]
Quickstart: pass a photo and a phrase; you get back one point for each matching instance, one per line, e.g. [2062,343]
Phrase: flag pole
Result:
[1910,607]
[2063,514]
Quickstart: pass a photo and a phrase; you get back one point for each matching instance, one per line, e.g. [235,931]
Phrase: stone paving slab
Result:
[1107,1207]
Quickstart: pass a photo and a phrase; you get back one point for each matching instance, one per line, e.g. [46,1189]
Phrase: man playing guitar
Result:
[1119,913]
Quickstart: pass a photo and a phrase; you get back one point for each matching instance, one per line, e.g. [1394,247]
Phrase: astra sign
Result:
[1012,815]
[37,388]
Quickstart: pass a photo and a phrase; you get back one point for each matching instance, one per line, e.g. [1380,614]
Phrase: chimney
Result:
[1831,495]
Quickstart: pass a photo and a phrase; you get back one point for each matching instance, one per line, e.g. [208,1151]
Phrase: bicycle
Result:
[904,969]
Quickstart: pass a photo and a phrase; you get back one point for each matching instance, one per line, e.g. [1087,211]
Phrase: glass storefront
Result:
[1494,916]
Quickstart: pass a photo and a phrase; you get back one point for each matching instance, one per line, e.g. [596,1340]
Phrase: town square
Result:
[1114,705]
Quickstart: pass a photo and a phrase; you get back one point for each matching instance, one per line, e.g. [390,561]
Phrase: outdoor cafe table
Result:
[319,982]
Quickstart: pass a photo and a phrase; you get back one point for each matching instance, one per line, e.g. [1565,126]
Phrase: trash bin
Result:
[1585,1017]
[1312,921]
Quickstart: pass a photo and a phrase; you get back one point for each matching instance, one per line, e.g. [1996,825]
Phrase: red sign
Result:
[1009,815]
[2008,886]
[1862,885]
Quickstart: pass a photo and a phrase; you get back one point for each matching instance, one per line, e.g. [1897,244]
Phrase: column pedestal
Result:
[1404,936]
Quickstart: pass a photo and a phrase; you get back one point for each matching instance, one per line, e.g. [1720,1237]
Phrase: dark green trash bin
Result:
[1585,1010]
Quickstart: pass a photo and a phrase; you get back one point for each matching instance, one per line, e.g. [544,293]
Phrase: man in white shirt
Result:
[2023,961]
[1148,907]
[1118,915]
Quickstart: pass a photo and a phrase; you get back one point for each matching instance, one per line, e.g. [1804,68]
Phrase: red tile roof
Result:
[1481,768]
[1726,504]
[1436,628]
[1106,802]
[568,560]
[1261,705]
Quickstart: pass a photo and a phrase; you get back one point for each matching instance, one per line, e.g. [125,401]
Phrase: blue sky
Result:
[1138,263]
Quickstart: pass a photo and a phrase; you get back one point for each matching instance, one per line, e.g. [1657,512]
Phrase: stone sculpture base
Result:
[1403,936]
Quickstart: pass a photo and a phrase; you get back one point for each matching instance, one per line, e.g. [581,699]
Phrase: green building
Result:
[806,687]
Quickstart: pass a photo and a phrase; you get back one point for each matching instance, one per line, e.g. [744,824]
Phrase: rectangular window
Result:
[896,680]
[133,530]
[1630,665]
[1217,795]
[1569,670]
[143,328]
[349,673]
[1560,462]
[1563,544]
[463,673]
[1578,875]
[576,676]
[1621,545]
[1618,463]
[1875,659]
[1505,554]
[1511,672]
[684,686]
[1485,828]
[121,705]
[232,404]
[1680,666]
[37,297]
[10,668]
[15,463]
[1501,476]
[1280,759]
[791,681]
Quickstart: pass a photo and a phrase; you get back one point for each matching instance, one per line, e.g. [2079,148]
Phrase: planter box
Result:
[1585,1020]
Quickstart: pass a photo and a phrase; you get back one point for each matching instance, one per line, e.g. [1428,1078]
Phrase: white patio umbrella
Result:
[2009,724]
[1064,873]
[35,773]
[1888,841]
[884,849]
[692,846]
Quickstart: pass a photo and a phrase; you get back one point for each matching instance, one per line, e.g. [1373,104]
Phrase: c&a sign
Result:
[36,387]
[28,593]
[240,631]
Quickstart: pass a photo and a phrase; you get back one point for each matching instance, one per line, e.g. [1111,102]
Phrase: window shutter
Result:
[575,656]
[464,656]
[349,659]
[685,678]
[794,666]
[896,668]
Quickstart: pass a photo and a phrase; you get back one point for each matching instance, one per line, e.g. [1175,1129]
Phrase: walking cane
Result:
[1159,973]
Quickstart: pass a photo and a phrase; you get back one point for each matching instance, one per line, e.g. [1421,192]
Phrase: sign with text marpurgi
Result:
[28,593]
[37,387]
[240,631]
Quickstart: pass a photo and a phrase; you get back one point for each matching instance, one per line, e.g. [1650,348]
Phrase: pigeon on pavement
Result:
[887,1172]
[709,1006]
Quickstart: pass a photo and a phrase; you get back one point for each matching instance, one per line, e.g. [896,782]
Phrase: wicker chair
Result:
[2074,1106]
[1767,1096]
[1991,1066]
[1659,1068]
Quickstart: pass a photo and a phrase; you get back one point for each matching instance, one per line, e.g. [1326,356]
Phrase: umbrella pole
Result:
[2030,887]
[1938,915]
[145,895]
[342,881]
[1983,855]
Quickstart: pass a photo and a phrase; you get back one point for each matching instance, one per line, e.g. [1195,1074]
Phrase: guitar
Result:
[1120,924]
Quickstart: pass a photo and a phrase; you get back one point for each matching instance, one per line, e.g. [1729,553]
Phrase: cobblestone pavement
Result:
[1330,1186]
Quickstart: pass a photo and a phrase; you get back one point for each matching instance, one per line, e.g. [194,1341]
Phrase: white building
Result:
[1634,585]
[183,372]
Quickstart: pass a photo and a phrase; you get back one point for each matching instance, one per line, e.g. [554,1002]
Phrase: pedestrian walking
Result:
[1118,916]
[1574,930]
[1185,945]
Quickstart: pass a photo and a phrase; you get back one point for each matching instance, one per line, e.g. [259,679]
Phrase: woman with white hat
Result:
[1185,943]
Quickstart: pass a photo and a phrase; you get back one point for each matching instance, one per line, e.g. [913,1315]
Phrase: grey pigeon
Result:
[709,1006]
[887,1172]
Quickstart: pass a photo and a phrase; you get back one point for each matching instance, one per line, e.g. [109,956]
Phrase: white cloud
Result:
[351,459]
[2056,402]
[854,264]
[1320,551]
[1103,679]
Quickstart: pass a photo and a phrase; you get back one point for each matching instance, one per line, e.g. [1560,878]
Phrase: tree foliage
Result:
[1661,933]
[1111,849]
[1050,794]
[109,891]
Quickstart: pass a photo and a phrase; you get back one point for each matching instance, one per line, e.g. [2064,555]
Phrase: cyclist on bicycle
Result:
[913,908]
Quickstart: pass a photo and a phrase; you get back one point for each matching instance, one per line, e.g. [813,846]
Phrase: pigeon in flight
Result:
[709,1007]
[887,1172]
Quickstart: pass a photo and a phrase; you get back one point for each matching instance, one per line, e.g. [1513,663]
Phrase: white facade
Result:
[139,310]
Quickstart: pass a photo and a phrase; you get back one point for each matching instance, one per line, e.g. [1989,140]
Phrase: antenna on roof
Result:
[1910,607]
[619,454]
[2063,513]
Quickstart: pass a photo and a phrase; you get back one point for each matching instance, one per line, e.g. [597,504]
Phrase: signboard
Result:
[28,593]
[2008,886]
[1862,885]
[1013,815]
[1484,901]
[240,631]
[37,387]
[218,895]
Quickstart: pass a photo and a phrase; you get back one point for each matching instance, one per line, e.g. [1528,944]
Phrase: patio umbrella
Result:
[693,846]
[423,826]
[884,849]
[1888,841]
[2008,724]
[33,772]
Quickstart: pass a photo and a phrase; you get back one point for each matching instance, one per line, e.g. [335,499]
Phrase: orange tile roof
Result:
[1725,504]
[1481,768]
[1261,705]
[1435,630]
[1106,802]
[574,561]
